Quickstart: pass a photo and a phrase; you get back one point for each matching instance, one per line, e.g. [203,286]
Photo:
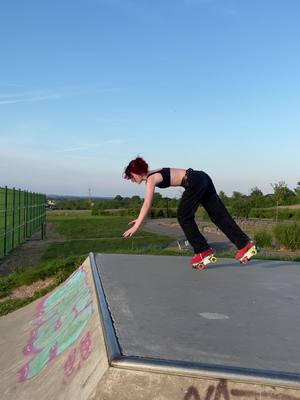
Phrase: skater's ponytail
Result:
[137,166]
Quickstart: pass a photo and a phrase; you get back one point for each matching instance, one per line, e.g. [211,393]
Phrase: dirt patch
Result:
[30,252]
[293,207]
[28,291]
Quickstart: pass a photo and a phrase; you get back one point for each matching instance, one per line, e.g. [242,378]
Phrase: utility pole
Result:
[90,197]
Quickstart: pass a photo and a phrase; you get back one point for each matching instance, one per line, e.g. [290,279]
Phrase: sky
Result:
[87,85]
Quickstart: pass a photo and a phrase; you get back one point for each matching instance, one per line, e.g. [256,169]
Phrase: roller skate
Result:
[199,261]
[244,254]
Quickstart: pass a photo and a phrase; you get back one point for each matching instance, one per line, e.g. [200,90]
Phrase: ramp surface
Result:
[53,348]
[228,314]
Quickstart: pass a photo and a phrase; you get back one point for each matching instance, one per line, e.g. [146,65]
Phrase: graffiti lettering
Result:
[221,391]
[73,363]
[60,320]
[192,394]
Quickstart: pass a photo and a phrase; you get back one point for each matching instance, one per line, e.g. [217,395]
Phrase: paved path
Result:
[170,227]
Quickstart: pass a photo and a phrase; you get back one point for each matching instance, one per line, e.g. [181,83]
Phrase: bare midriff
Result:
[177,175]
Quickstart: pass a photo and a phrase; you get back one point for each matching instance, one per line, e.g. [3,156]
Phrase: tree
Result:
[237,195]
[224,198]
[118,198]
[135,201]
[297,192]
[158,200]
[256,192]
[256,197]
[283,195]
[241,208]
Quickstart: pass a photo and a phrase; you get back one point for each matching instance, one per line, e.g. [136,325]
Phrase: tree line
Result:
[239,203]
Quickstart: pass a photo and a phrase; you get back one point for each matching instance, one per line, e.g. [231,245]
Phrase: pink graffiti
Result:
[85,346]
[72,365]
[60,320]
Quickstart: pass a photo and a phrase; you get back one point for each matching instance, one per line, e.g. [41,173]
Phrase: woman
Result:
[199,189]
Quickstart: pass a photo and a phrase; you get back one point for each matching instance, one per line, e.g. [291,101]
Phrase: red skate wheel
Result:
[244,260]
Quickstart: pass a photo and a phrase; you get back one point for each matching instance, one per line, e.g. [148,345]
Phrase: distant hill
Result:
[70,197]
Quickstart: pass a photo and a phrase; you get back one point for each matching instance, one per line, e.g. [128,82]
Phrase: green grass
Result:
[84,234]
[76,226]
[84,226]
[83,247]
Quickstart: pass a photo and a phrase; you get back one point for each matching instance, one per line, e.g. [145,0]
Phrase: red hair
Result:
[137,166]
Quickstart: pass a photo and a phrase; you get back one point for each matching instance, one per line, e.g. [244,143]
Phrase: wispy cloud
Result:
[13,99]
[86,146]
[12,85]
[59,93]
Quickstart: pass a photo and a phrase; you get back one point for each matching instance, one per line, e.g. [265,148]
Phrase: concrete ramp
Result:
[54,348]
[72,343]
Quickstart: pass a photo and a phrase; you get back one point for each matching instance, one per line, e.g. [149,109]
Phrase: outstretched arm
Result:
[150,186]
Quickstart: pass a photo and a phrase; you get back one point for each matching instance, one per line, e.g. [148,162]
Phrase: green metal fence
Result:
[21,214]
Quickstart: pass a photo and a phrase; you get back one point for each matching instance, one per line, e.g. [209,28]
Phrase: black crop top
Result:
[166,175]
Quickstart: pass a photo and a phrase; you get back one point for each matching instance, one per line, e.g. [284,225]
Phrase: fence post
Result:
[5,221]
[43,217]
[30,212]
[13,219]
[25,214]
[19,221]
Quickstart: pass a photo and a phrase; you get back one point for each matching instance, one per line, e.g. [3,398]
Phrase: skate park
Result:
[125,126]
[151,327]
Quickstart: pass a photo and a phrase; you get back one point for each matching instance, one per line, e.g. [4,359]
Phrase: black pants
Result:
[199,189]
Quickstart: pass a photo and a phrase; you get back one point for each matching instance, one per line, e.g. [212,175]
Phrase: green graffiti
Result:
[60,320]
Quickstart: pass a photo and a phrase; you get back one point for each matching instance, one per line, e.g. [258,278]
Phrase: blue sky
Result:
[86,85]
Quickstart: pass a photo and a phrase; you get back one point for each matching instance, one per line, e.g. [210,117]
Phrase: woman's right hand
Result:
[131,230]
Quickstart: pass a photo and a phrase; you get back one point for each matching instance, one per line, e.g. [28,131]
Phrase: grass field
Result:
[79,234]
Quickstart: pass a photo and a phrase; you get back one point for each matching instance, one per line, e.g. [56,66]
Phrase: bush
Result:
[288,235]
[241,208]
[263,239]
[283,213]
[202,214]
[122,212]
[163,213]
[262,213]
